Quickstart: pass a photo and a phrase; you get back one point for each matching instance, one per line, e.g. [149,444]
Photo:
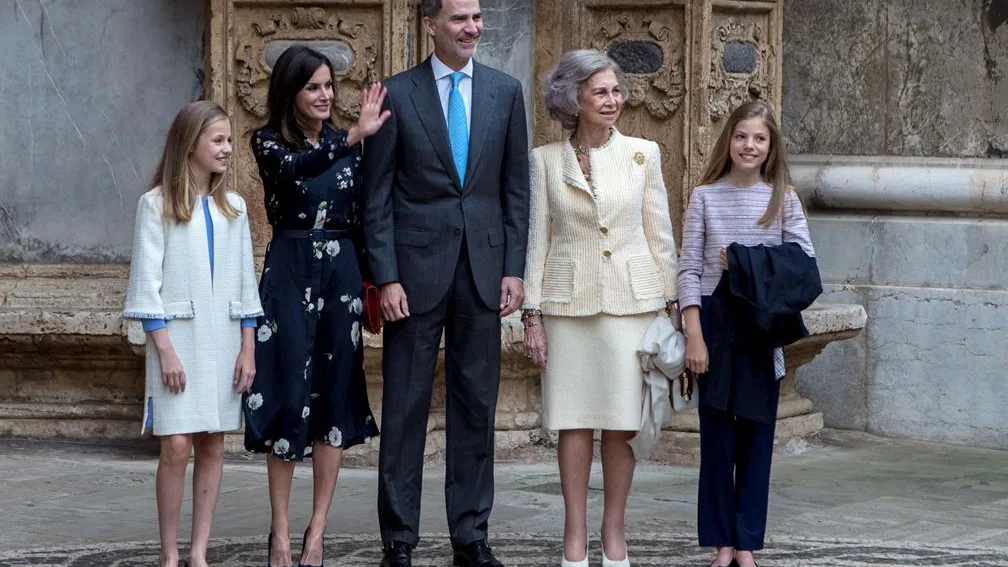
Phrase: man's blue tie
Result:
[458,129]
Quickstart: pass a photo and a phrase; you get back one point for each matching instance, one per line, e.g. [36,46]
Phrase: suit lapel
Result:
[572,173]
[427,104]
[483,103]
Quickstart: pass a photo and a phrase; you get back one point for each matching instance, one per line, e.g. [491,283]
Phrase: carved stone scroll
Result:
[348,41]
[650,52]
[742,60]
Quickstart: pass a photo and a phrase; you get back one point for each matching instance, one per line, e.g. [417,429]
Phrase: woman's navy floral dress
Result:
[309,384]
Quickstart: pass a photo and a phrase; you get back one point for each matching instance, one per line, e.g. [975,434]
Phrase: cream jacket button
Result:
[603,230]
[606,254]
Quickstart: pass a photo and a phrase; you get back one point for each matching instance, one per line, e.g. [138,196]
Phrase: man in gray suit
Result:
[446,222]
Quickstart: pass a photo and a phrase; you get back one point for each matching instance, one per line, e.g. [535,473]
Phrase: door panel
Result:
[742,57]
[365,42]
[689,62]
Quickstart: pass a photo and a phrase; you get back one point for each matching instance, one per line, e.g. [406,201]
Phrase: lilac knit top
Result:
[720,214]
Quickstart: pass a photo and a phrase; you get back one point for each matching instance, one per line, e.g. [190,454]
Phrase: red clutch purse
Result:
[371,318]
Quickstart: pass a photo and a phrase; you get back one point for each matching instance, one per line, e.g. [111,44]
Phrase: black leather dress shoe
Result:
[476,554]
[397,554]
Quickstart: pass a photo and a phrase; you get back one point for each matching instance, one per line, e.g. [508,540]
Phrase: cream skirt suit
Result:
[601,264]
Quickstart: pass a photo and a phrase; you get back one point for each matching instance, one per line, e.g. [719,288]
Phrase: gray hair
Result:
[431,8]
[562,86]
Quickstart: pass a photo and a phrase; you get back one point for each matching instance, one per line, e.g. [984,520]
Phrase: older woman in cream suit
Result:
[601,263]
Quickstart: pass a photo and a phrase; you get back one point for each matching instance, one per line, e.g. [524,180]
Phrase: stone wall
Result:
[92,88]
[89,96]
[89,91]
[918,241]
[896,77]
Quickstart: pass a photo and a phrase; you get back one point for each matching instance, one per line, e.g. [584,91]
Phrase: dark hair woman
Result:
[309,397]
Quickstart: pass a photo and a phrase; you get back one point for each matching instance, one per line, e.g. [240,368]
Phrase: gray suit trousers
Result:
[472,378]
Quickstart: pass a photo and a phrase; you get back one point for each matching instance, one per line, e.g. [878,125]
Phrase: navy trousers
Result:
[735,456]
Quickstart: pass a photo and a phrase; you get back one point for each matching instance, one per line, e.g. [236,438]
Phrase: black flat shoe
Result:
[397,554]
[304,541]
[476,554]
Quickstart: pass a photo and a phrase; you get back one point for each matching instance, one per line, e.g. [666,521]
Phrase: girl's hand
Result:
[371,116]
[172,374]
[696,354]
[724,258]
[244,371]
[536,348]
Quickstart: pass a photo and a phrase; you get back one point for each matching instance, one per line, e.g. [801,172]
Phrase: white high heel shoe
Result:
[583,563]
[606,562]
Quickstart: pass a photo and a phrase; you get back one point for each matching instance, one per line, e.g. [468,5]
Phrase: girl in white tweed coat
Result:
[192,283]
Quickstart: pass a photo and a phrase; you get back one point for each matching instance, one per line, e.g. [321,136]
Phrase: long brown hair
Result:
[774,170]
[174,174]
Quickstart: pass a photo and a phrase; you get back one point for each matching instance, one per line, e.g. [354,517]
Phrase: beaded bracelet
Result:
[529,314]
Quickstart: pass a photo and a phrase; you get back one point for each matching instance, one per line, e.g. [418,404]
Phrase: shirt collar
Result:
[441,70]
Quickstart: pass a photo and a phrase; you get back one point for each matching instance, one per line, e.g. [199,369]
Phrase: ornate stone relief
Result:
[650,53]
[349,43]
[741,63]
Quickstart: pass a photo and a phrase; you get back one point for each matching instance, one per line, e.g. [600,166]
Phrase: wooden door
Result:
[688,62]
[366,41]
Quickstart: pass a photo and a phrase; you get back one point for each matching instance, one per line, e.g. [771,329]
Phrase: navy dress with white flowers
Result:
[309,384]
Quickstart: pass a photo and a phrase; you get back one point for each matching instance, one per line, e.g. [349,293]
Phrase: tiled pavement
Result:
[849,500]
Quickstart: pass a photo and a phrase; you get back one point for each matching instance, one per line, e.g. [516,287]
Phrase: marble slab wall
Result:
[89,90]
[508,42]
[896,77]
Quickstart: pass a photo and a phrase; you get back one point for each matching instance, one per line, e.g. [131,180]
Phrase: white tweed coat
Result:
[170,278]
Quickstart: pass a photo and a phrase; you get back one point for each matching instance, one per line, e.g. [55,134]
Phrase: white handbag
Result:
[668,346]
[662,354]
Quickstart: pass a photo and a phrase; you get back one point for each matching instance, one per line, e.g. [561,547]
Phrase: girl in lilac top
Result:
[745,197]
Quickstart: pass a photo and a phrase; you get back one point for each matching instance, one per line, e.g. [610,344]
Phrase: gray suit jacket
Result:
[416,211]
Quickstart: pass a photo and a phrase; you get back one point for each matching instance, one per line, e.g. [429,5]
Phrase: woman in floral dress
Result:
[309,397]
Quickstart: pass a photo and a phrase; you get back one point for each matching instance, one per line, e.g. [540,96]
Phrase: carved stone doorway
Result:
[689,63]
[366,41]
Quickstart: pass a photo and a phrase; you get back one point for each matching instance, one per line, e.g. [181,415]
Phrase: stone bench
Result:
[518,420]
[66,368]
[71,367]
[796,418]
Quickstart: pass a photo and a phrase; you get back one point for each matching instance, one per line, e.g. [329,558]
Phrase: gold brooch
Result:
[639,158]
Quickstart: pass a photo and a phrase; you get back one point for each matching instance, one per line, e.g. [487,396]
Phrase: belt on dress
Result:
[315,234]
